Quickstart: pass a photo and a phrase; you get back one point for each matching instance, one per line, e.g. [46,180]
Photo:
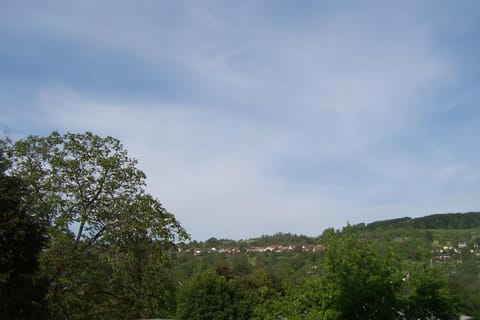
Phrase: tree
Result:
[310,301]
[240,265]
[89,183]
[465,284]
[363,280]
[425,294]
[210,296]
[105,231]
[21,239]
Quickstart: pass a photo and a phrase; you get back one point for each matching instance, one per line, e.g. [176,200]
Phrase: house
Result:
[462,245]
[313,248]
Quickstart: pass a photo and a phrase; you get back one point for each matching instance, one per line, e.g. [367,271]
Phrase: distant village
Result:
[446,252]
[257,249]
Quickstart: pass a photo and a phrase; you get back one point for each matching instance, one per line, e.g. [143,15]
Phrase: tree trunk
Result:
[80,230]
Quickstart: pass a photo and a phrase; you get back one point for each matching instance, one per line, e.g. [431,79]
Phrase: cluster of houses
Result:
[270,248]
[290,248]
[446,252]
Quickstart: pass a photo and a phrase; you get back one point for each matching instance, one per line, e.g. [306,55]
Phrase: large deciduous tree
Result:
[108,237]
[90,185]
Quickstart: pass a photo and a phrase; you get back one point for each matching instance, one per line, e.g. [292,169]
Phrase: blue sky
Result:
[256,117]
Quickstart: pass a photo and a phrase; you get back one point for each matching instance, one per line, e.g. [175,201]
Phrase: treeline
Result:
[283,239]
[411,228]
[467,220]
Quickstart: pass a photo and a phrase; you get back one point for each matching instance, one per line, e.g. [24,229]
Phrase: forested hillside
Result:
[81,239]
[467,220]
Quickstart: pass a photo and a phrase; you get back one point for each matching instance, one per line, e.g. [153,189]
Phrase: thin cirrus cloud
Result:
[254,118]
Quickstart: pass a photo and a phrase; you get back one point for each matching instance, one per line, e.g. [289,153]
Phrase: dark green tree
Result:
[21,239]
[210,296]
[240,265]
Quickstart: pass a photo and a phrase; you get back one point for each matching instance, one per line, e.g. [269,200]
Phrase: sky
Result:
[257,117]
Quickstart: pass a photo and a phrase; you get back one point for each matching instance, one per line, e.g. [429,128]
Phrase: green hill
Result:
[467,220]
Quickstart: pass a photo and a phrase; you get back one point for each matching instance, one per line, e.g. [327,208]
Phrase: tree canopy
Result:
[107,254]
[89,184]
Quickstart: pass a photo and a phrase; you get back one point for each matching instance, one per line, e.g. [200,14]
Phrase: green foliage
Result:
[363,279]
[209,296]
[89,183]
[309,300]
[465,284]
[108,239]
[77,278]
[281,239]
[390,224]
[449,221]
[140,283]
[426,295]
[240,265]
[436,221]
[21,239]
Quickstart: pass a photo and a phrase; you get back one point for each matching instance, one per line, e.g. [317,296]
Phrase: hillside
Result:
[447,244]
[469,220]
[435,228]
